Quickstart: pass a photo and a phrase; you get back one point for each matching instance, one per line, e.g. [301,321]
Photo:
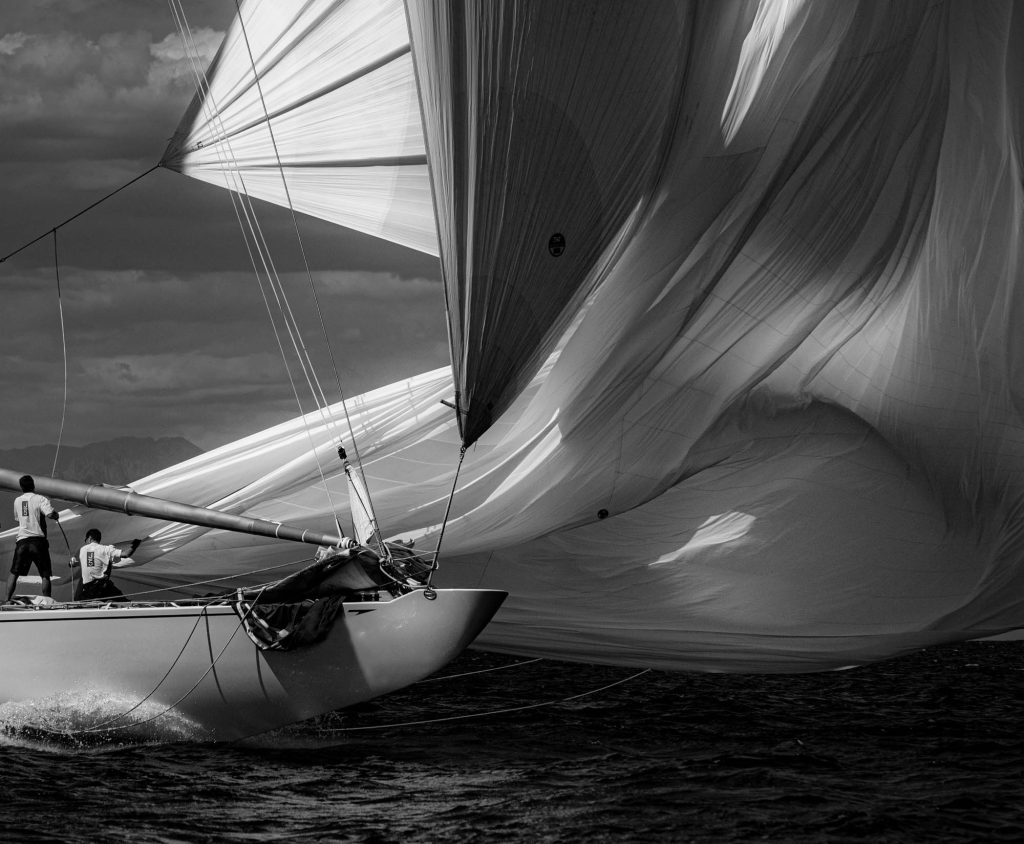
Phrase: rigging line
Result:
[447,512]
[481,671]
[79,214]
[64,346]
[258,241]
[489,712]
[220,579]
[291,208]
[95,728]
[298,236]
[276,286]
[69,555]
[241,199]
[312,286]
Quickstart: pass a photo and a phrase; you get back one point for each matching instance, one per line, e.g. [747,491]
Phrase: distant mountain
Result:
[118,462]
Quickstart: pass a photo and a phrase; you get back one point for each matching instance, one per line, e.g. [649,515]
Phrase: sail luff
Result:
[132,503]
[543,137]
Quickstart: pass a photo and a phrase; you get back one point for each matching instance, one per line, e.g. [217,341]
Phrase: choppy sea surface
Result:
[924,748]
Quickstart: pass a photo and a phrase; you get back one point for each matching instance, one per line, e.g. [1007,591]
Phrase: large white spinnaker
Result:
[547,124]
[782,432]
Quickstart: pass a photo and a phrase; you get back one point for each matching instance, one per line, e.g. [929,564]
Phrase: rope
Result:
[64,345]
[112,719]
[71,733]
[325,415]
[70,555]
[489,712]
[213,580]
[291,209]
[104,726]
[241,200]
[444,522]
[481,671]
[79,214]
[194,686]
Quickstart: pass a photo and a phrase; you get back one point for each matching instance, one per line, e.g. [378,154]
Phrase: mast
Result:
[132,503]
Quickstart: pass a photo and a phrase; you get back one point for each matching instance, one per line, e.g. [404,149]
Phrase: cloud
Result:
[11,43]
[64,86]
[165,328]
[166,354]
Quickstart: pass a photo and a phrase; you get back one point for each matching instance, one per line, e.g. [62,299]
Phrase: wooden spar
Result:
[132,503]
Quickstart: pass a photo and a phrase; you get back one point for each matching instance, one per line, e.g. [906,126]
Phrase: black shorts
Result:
[100,589]
[36,550]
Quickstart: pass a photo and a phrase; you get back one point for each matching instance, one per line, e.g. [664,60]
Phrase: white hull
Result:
[216,678]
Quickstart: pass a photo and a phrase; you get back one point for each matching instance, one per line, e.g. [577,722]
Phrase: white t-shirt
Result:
[95,558]
[30,509]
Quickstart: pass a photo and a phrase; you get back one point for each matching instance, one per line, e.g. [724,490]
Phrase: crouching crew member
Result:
[96,561]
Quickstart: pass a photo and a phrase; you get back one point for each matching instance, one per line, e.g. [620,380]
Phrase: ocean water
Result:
[924,748]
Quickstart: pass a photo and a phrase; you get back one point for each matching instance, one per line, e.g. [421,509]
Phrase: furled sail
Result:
[784,430]
[360,507]
[336,81]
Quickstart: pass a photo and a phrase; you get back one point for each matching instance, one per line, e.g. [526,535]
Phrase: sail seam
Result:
[327,89]
[389,161]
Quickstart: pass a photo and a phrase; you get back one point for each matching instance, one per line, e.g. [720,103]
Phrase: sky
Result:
[164,326]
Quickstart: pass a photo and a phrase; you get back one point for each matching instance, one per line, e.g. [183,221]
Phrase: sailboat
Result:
[731,295]
[224,667]
[730,292]
[361,620]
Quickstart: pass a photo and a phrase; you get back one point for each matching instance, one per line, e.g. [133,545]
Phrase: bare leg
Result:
[12,583]
[47,587]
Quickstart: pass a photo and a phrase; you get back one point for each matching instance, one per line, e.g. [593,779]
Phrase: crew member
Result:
[96,561]
[31,510]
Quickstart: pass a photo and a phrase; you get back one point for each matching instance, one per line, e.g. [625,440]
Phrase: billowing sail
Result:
[783,429]
[345,139]
[547,124]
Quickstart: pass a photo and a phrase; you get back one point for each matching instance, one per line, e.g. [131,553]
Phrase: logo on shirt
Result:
[90,558]
[24,508]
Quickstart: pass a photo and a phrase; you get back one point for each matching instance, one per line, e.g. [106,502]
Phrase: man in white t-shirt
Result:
[31,511]
[96,561]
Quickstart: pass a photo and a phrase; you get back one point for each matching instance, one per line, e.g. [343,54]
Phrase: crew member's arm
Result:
[118,559]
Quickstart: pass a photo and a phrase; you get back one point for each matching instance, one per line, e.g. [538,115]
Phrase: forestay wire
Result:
[258,249]
[79,214]
[309,276]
